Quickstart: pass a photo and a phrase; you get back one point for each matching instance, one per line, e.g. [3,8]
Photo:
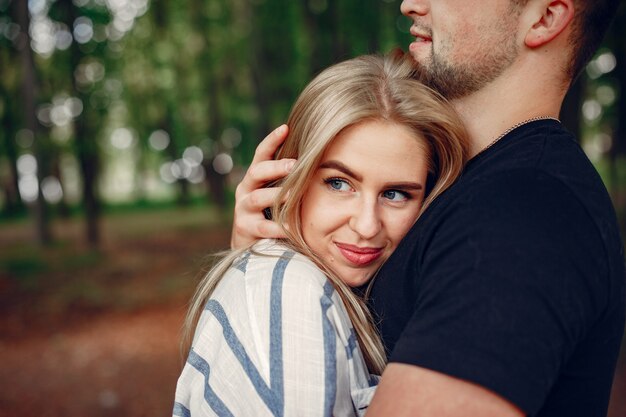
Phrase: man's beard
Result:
[459,80]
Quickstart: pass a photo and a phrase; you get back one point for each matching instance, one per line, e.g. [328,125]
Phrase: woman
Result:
[278,330]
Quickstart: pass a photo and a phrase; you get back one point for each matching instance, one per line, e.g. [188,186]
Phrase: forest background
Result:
[126,125]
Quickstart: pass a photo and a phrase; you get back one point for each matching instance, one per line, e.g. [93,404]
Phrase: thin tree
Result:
[84,133]
[29,106]
[13,203]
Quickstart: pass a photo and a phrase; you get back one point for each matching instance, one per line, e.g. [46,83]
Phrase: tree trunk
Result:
[212,83]
[13,204]
[171,120]
[29,96]
[86,146]
[173,150]
[340,50]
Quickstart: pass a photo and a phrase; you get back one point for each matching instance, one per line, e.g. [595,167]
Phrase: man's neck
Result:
[504,103]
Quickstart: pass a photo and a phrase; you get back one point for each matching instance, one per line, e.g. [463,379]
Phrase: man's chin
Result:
[433,76]
[426,76]
[421,69]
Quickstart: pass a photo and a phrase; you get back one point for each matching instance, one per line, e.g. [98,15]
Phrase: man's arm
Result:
[251,197]
[408,390]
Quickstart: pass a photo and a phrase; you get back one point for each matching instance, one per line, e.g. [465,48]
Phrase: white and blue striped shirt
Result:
[274,340]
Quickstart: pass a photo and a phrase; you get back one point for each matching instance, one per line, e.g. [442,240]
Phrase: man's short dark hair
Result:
[593,18]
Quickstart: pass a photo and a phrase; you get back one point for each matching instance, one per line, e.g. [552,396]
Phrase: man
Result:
[507,296]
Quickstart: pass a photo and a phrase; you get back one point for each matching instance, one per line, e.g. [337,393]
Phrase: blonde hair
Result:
[367,88]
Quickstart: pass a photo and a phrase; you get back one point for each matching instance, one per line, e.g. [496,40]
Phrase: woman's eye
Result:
[338,184]
[395,195]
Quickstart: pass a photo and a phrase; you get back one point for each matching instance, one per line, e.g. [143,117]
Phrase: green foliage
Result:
[28,264]
[24,268]
[198,70]
[195,69]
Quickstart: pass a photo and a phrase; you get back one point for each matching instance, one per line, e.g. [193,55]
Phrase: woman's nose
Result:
[365,220]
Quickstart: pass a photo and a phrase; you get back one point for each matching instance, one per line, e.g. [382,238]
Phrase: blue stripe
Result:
[210,396]
[330,347]
[276,332]
[181,410]
[266,394]
[351,344]
[242,263]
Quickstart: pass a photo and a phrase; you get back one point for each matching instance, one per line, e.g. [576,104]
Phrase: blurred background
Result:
[126,125]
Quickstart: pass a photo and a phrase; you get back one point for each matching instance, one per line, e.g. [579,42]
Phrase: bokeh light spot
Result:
[122,138]
[51,190]
[223,163]
[193,155]
[159,140]
[29,188]
[27,164]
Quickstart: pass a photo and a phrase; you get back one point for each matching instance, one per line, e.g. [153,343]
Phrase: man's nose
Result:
[410,8]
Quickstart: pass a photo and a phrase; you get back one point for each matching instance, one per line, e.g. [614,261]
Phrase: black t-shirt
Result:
[514,278]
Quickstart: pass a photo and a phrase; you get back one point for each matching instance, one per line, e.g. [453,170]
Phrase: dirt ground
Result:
[114,365]
[111,348]
[97,333]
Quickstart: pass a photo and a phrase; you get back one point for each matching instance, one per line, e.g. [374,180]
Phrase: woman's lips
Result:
[357,255]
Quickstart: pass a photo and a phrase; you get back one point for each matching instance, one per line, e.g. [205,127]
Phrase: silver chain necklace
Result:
[512,128]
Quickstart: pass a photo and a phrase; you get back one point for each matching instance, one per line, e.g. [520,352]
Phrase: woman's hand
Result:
[249,223]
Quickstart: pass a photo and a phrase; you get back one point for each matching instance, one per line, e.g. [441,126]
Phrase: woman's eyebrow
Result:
[332,164]
[405,185]
[341,167]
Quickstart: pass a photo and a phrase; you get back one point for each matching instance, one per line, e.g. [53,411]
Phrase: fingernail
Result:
[289,165]
[281,129]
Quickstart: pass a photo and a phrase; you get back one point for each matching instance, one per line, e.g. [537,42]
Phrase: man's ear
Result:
[550,19]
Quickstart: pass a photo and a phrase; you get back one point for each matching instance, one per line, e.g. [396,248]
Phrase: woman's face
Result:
[363,198]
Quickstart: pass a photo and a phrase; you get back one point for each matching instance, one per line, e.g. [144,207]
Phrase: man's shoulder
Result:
[548,151]
[539,161]
[532,184]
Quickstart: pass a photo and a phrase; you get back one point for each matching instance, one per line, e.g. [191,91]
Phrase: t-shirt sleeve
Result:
[506,288]
[323,369]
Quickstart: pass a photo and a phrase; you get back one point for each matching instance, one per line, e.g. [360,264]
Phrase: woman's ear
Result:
[551,17]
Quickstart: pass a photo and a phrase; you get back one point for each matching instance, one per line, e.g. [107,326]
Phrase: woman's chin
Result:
[356,279]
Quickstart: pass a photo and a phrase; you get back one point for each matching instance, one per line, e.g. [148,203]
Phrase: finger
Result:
[245,236]
[268,146]
[270,229]
[263,172]
[255,201]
